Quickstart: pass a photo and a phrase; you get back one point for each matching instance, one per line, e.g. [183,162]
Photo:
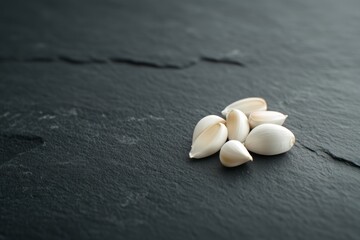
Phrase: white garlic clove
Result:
[247,105]
[238,125]
[204,123]
[269,139]
[233,154]
[261,117]
[209,141]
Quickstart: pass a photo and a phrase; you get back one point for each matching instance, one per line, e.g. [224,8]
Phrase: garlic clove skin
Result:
[209,141]
[247,105]
[261,117]
[233,153]
[238,125]
[204,123]
[270,139]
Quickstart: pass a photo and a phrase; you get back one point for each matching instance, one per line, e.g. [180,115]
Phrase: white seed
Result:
[238,125]
[247,105]
[209,141]
[261,117]
[205,123]
[234,153]
[269,139]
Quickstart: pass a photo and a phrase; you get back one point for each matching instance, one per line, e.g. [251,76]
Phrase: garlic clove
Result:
[209,141]
[233,153]
[269,139]
[261,117]
[238,125]
[247,105]
[204,123]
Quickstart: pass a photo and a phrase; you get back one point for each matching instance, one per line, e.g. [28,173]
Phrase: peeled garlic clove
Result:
[234,153]
[238,125]
[209,141]
[269,139]
[247,106]
[261,117]
[204,123]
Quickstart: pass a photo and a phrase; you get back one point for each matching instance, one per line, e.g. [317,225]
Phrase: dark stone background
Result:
[98,100]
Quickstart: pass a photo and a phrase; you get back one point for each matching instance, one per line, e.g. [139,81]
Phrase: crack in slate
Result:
[144,63]
[223,60]
[326,152]
[127,61]
[333,156]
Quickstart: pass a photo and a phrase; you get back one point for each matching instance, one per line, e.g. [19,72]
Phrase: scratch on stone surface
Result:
[156,118]
[325,152]
[72,112]
[11,117]
[222,59]
[47,117]
[5,115]
[12,145]
[127,140]
[143,119]
[131,119]
[54,127]
[67,112]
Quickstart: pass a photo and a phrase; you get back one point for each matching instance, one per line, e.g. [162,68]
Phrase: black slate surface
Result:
[99,100]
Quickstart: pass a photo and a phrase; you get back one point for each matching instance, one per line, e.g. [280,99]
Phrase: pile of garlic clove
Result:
[248,126]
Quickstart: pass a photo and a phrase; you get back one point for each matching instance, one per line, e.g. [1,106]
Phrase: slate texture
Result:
[98,100]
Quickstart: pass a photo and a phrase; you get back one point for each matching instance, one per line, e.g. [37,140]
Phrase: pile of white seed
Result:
[248,126]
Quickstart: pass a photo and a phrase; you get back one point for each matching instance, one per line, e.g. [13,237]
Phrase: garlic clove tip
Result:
[233,153]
